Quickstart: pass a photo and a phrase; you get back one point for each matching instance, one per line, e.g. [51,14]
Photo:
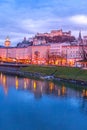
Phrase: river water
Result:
[28,104]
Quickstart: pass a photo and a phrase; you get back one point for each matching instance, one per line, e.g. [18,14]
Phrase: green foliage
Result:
[61,72]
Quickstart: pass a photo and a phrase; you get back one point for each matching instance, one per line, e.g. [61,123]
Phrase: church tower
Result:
[7,42]
[80,41]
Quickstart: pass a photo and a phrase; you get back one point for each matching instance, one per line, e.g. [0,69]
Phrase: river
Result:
[29,104]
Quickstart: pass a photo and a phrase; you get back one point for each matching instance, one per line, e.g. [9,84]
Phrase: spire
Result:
[80,38]
[7,38]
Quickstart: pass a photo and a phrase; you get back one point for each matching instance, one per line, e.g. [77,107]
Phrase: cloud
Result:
[38,25]
[79,19]
[19,18]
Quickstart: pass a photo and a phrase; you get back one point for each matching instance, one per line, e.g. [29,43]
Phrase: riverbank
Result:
[67,74]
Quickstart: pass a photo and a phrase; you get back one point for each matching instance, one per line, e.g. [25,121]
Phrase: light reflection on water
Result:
[28,104]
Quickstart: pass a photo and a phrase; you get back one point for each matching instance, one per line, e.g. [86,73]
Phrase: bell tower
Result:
[7,42]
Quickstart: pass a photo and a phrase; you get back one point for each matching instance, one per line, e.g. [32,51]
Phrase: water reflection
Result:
[38,87]
[52,103]
[84,93]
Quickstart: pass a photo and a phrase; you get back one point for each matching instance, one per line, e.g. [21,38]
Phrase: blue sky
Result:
[24,18]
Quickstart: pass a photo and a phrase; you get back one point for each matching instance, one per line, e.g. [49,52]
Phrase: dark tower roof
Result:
[80,38]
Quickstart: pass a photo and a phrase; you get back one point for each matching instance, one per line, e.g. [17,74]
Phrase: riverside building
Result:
[62,54]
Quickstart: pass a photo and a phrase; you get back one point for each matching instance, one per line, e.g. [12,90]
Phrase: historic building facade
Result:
[63,54]
[31,54]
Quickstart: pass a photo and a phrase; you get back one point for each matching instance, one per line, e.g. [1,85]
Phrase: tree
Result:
[83,55]
[36,56]
[83,52]
[54,58]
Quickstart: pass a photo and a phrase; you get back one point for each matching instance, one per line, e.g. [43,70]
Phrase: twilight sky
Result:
[24,18]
